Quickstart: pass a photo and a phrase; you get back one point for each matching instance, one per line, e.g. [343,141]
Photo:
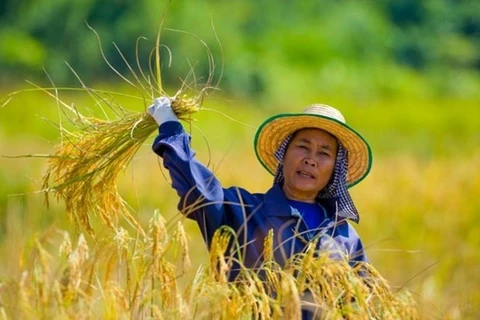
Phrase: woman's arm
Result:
[201,194]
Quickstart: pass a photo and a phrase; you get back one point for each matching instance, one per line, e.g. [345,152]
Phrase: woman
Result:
[314,157]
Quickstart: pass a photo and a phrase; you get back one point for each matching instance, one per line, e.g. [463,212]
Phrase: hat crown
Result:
[325,111]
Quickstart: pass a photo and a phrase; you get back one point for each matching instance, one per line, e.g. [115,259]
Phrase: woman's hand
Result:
[161,110]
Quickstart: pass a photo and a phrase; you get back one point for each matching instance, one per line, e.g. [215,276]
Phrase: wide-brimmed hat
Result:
[276,129]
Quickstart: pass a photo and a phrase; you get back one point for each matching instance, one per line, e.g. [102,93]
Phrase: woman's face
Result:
[308,164]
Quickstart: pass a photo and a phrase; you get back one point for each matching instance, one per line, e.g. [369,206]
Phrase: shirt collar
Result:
[276,203]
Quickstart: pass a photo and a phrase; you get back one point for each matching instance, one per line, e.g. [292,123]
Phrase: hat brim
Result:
[276,129]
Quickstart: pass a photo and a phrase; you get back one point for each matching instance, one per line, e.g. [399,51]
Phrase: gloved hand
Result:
[161,110]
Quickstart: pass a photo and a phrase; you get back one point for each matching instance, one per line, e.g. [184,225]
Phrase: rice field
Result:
[418,212]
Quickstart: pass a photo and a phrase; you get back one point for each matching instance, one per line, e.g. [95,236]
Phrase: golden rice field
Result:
[419,209]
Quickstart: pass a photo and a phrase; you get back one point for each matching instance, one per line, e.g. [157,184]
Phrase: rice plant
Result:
[134,276]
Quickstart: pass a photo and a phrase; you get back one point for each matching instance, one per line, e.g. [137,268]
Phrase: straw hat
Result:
[276,129]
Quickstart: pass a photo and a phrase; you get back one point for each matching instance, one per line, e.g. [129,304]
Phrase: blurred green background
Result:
[406,74]
[366,48]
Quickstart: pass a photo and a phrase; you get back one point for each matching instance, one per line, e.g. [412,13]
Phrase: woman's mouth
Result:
[305,174]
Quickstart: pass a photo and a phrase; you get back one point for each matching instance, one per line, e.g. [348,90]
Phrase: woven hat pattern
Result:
[275,129]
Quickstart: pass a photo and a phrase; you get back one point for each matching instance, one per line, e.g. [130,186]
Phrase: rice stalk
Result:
[218,253]
[268,247]
[83,171]
[180,237]
[24,296]
[41,270]
[72,274]
[331,287]
[289,298]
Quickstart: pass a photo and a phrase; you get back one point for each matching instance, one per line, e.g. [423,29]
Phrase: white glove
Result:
[161,110]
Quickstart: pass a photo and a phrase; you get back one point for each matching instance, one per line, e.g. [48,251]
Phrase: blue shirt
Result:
[312,213]
[251,215]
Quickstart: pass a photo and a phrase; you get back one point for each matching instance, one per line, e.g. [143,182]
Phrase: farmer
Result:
[314,157]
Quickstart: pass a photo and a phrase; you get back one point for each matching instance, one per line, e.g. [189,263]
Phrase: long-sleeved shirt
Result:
[250,215]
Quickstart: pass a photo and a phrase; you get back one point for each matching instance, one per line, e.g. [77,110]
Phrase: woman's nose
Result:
[310,162]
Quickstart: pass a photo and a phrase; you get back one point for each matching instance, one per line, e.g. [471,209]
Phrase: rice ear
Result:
[83,171]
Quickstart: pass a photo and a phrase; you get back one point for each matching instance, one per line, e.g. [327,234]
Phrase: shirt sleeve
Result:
[355,246]
[344,238]
[201,194]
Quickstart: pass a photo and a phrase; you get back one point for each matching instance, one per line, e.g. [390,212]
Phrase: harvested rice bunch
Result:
[83,171]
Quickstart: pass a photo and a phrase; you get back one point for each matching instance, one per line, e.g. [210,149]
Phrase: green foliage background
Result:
[365,48]
[406,74]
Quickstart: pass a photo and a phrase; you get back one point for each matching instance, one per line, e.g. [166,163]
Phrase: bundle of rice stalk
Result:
[83,171]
